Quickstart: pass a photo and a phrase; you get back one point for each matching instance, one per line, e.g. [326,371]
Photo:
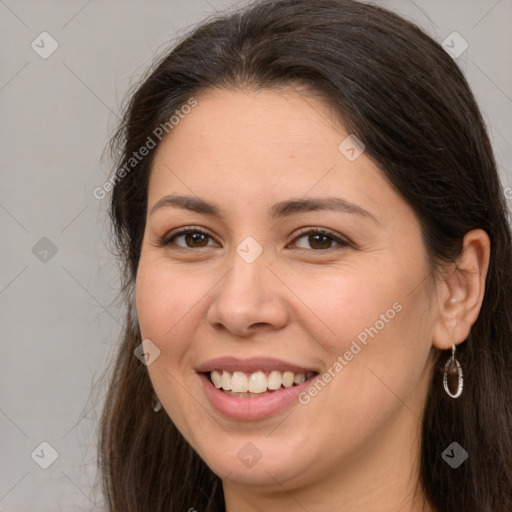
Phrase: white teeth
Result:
[257,382]
[299,378]
[239,382]
[225,381]
[216,379]
[288,379]
[274,380]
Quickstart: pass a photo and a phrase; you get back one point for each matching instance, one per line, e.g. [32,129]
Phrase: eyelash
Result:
[167,240]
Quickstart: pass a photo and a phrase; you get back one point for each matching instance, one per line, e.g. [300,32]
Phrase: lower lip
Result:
[252,408]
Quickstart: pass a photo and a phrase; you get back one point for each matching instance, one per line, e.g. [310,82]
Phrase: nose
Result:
[248,299]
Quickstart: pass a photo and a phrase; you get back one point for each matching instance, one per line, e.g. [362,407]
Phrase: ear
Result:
[461,291]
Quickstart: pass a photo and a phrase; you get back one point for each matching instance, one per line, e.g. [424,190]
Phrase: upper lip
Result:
[266,364]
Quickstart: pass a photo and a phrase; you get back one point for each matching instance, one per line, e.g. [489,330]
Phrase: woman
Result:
[317,267]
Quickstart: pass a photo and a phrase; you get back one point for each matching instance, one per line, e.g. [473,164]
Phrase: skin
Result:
[354,446]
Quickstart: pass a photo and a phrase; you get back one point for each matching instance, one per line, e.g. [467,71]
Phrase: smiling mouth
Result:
[259,383]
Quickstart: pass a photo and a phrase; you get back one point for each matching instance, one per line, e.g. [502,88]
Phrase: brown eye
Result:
[196,239]
[320,240]
[193,239]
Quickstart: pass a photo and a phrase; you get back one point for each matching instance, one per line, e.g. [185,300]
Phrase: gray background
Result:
[60,321]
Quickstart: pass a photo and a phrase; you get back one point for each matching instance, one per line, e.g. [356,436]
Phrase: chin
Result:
[257,463]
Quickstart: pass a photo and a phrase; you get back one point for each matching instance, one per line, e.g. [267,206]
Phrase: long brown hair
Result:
[404,97]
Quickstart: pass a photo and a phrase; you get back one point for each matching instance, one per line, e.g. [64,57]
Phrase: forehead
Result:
[264,125]
[244,147]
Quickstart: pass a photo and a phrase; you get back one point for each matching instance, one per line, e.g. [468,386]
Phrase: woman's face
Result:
[260,290]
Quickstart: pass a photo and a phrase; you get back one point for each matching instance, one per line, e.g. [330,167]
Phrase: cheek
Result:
[378,333]
[165,307]
[346,302]
[163,298]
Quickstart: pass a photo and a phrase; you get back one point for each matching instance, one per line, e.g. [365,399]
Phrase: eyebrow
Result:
[276,211]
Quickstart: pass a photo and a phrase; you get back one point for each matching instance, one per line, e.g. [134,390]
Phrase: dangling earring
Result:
[155,403]
[453,367]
